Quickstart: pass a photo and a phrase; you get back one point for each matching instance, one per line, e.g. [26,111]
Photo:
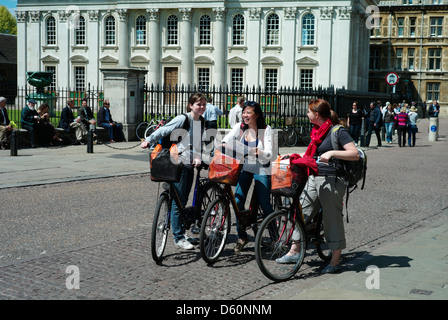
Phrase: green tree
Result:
[8,23]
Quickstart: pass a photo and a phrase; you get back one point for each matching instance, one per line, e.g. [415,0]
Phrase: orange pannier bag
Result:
[286,179]
[224,169]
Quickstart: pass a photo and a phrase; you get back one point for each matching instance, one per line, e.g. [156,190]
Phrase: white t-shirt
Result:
[235,115]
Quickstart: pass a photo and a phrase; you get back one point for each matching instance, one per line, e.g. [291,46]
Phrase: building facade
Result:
[195,42]
[412,41]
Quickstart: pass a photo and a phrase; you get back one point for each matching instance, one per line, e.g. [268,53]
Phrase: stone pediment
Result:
[203,60]
[79,59]
[139,59]
[170,59]
[271,61]
[109,59]
[236,60]
[307,61]
[50,59]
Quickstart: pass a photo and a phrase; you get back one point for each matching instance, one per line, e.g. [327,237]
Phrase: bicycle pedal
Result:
[195,230]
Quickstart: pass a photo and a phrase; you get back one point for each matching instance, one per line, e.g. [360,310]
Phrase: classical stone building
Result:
[412,41]
[230,43]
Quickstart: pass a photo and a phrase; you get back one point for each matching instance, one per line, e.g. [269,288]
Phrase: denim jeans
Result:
[389,130]
[412,130]
[183,188]
[115,132]
[262,190]
[355,131]
[371,129]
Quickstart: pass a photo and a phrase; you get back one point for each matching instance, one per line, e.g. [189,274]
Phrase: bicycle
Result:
[293,134]
[204,192]
[275,237]
[216,222]
[280,132]
[145,129]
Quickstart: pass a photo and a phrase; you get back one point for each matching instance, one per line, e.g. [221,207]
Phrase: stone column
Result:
[186,44]
[64,43]
[21,48]
[220,46]
[124,89]
[93,43]
[154,47]
[34,45]
[123,38]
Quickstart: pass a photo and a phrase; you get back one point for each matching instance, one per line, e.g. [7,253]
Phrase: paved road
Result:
[101,226]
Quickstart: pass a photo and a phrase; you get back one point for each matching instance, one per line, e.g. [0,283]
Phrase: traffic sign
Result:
[392,78]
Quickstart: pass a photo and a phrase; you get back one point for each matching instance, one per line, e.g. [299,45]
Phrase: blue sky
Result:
[10,4]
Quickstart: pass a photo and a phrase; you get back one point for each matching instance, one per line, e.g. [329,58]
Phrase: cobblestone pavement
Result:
[52,228]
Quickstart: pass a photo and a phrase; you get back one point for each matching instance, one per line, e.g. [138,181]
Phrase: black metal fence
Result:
[285,102]
[171,101]
[57,99]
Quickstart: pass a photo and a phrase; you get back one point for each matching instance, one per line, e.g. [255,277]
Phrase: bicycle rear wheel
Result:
[149,131]
[273,241]
[140,130]
[291,137]
[160,227]
[215,228]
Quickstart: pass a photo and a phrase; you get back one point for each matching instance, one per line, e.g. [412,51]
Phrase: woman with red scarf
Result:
[326,184]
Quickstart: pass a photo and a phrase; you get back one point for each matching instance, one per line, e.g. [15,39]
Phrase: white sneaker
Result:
[184,244]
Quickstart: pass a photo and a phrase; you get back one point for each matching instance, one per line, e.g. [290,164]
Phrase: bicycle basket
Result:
[290,121]
[224,169]
[287,180]
[165,164]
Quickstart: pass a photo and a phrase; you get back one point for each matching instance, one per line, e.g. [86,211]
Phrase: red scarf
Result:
[308,162]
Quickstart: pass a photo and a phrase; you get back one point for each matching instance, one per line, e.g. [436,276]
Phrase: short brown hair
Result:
[320,106]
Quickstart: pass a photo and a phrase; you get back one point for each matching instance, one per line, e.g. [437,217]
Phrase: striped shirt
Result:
[402,118]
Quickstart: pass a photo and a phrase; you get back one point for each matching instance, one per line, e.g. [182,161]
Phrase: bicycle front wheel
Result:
[291,137]
[160,227]
[275,236]
[215,228]
[140,130]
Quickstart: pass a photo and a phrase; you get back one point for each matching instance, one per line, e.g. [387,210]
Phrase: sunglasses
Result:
[250,103]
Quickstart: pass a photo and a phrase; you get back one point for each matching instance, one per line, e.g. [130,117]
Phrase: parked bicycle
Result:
[204,192]
[277,233]
[293,134]
[145,129]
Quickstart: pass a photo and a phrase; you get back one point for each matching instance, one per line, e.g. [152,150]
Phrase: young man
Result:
[235,114]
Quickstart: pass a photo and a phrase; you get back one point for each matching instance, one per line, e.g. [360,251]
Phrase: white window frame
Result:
[80,31]
[76,80]
[307,26]
[204,84]
[110,34]
[205,30]
[238,30]
[271,77]
[172,30]
[50,32]
[141,30]
[309,84]
[273,29]
[52,86]
[238,87]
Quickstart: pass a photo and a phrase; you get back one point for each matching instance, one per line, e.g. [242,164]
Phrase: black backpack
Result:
[355,171]
[167,143]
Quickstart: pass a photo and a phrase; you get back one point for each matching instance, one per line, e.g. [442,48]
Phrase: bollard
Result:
[14,143]
[433,134]
[90,141]
[363,134]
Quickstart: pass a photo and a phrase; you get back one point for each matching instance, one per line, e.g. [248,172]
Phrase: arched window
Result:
[110,30]
[140,30]
[80,31]
[172,30]
[308,29]
[238,30]
[272,30]
[50,31]
[204,30]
